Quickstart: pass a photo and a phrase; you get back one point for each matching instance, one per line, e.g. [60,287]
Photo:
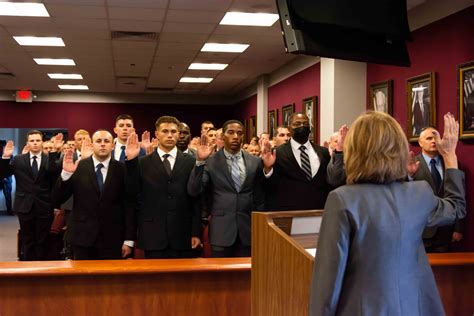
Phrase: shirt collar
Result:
[172,153]
[229,155]
[37,155]
[118,144]
[428,159]
[105,162]
[296,146]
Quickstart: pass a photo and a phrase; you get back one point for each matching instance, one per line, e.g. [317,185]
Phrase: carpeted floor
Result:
[8,241]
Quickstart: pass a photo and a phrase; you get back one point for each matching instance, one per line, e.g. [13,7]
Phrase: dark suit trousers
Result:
[237,250]
[95,252]
[34,231]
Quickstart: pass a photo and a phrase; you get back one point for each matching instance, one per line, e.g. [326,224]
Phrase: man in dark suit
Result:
[124,126]
[300,174]
[184,137]
[35,177]
[169,224]
[234,180]
[102,221]
[431,169]
[421,111]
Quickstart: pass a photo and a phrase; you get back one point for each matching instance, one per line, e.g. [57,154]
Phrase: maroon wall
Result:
[92,116]
[294,89]
[438,47]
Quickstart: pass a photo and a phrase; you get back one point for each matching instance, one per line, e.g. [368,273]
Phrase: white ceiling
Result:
[133,65]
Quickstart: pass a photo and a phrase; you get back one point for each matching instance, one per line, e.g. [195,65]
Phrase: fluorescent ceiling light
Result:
[249,19]
[65,76]
[224,48]
[55,61]
[199,66]
[23,9]
[39,41]
[73,87]
[195,80]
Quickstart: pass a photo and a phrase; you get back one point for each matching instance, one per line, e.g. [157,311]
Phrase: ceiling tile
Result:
[194,16]
[157,4]
[203,28]
[138,14]
[207,5]
[78,12]
[89,24]
[135,26]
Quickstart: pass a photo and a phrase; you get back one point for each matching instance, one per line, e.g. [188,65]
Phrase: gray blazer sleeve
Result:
[331,258]
[198,180]
[336,174]
[452,205]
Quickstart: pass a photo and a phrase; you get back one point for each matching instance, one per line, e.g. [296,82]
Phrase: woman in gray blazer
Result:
[370,258]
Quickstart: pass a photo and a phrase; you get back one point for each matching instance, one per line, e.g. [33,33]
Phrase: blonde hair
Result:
[81,132]
[375,150]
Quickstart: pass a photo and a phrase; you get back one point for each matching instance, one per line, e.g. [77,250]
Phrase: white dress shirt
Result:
[118,150]
[172,155]
[38,159]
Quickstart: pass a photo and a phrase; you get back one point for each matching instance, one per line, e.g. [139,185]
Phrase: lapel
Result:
[110,173]
[42,166]
[157,163]
[289,152]
[89,166]
[221,160]
[424,171]
[179,162]
[26,161]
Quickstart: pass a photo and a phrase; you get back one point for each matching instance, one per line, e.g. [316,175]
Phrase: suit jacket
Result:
[424,173]
[288,188]
[32,194]
[107,218]
[370,258]
[167,216]
[231,210]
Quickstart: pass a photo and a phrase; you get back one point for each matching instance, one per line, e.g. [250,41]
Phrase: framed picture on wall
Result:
[286,112]
[466,100]
[381,97]
[252,127]
[310,108]
[421,103]
[272,122]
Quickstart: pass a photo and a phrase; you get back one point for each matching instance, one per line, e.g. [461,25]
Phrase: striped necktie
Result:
[305,165]
[235,173]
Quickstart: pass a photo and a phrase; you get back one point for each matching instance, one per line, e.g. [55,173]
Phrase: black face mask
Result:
[301,134]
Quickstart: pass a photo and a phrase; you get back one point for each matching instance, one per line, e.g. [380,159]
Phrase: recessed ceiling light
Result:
[65,76]
[55,61]
[23,9]
[224,48]
[212,66]
[249,19]
[39,41]
[195,80]
[73,87]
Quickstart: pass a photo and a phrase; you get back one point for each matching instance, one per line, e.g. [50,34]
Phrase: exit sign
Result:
[24,96]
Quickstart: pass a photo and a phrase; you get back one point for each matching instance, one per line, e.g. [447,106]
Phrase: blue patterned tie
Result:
[122,154]
[235,173]
[100,177]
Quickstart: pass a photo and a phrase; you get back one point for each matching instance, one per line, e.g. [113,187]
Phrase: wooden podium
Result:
[282,268]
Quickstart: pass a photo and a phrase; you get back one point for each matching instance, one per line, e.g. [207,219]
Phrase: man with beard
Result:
[300,174]
[184,137]
[233,178]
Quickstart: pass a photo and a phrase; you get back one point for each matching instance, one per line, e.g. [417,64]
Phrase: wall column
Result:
[262,104]
[343,94]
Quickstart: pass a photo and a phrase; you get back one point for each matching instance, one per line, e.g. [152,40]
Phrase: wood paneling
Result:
[129,287]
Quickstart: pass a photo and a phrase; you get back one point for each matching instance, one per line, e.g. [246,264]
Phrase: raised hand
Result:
[133,146]
[87,149]
[412,165]
[204,149]
[68,161]
[8,150]
[58,142]
[268,156]
[341,137]
[447,145]
[146,143]
[25,149]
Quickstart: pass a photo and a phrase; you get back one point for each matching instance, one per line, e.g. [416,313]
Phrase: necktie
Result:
[235,173]
[34,167]
[122,154]
[435,174]
[100,177]
[166,164]
[305,165]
